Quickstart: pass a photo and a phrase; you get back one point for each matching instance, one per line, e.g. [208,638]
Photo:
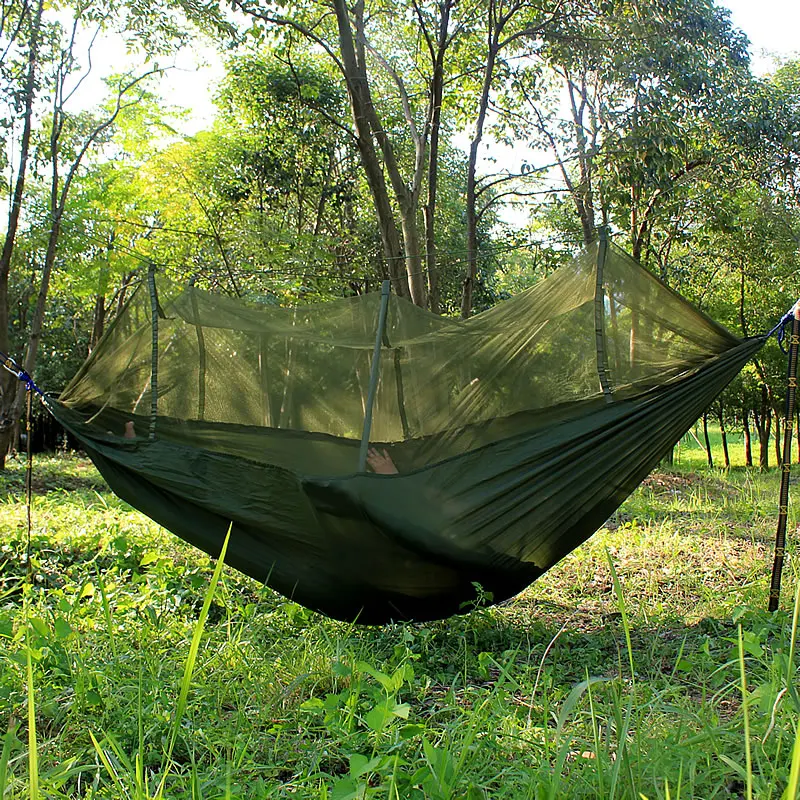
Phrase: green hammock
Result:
[515,433]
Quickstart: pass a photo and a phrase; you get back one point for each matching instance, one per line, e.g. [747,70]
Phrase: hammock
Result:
[515,434]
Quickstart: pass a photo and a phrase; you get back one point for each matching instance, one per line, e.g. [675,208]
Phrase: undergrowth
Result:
[643,666]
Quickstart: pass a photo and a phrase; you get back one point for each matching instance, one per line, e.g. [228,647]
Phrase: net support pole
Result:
[151,285]
[373,376]
[201,351]
[783,503]
[599,316]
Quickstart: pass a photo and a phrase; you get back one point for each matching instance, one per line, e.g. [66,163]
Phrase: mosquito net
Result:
[228,367]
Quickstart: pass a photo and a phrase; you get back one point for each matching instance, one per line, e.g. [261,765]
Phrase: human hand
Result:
[381,462]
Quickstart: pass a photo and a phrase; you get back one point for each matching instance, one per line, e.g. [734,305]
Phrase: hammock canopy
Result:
[515,433]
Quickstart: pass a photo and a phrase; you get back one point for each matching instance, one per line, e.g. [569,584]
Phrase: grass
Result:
[643,666]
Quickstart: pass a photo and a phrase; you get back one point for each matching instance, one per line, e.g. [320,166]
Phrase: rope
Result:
[783,501]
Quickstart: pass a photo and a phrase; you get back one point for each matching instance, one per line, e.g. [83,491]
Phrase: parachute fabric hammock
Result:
[515,433]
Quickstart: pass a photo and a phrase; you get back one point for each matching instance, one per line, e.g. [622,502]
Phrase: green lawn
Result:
[620,674]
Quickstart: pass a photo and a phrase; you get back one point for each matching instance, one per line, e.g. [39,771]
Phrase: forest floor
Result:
[644,665]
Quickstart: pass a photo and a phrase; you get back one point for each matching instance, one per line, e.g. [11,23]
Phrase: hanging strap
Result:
[792,317]
[154,314]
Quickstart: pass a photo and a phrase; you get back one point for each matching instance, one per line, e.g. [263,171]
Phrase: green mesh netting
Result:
[515,433]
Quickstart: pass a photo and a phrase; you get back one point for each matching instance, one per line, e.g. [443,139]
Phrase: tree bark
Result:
[98,321]
[723,433]
[763,423]
[407,199]
[748,445]
[709,456]
[468,289]
[437,92]
[59,194]
[360,101]
[8,383]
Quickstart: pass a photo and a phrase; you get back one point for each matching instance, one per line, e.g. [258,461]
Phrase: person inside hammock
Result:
[381,462]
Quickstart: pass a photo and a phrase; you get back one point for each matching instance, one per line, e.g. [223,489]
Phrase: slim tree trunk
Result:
[437,92]
[709,456]
[8,384]
[763,423]
[468,288]
[360,102]
[406,196]
[778,440]
[723,433]
[98,320]
[59,194]
[763,460]
[748,445]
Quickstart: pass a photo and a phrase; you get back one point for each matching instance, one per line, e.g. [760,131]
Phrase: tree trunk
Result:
[360,102]
[778,441]
[709,456]
[407,199]
[437,91]
[763,423]
[468,289]
[748,445]
[8,383]
[37,321]
[763,458]
[98,320]
[723,433]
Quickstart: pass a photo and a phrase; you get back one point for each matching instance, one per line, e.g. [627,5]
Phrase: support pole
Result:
[201,351]
[373,377]
[599,317]
[151,285]
[783,510]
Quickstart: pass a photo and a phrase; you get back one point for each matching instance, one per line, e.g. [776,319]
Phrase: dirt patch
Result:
[665,482]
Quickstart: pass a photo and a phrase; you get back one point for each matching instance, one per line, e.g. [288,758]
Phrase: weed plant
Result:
[643,666]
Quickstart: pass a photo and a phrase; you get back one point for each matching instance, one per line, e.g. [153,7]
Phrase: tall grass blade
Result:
[622,739]
[107,614]
[104,759]
[794,772]
[33,752]
[5,756]
[793,635]
[748,756]
[572,700]
[186,681]
[623,612]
